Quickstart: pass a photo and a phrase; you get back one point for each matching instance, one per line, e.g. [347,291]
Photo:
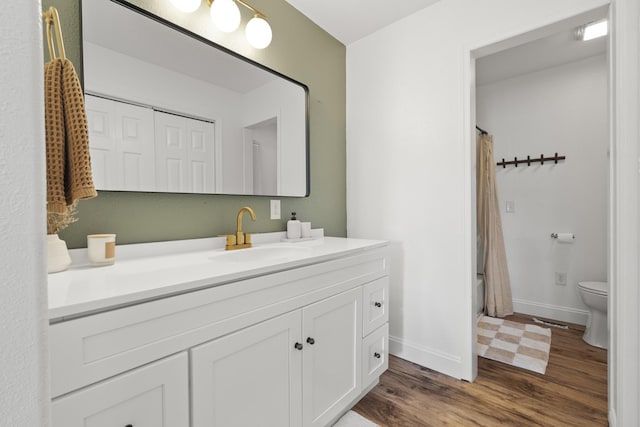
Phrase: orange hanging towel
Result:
[69,176]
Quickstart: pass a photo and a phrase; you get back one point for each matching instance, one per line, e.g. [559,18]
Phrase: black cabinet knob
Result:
[129,425]
[378,304]
[311,341]
[377,355]
[298,346]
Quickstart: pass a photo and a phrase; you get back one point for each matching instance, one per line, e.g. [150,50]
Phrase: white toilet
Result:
[595,295]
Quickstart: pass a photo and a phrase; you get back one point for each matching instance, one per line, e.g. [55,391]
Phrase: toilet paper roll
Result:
[565,238]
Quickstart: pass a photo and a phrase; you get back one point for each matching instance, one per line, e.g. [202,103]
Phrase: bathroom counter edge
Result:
[174,268]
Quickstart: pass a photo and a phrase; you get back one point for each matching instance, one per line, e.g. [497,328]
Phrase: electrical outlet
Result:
[561,279]
[275,209]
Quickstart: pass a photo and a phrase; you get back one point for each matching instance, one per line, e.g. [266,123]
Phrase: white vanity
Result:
[178,334]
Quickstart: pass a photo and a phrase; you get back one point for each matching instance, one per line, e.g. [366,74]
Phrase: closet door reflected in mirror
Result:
[122,145]
[170,111]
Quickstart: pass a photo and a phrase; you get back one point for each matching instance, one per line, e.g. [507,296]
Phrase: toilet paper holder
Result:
[555,236]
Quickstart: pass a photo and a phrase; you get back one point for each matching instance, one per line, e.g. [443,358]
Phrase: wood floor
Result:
[573,391]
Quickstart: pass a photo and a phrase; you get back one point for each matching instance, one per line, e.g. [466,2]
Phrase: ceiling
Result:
[334,16]
[351,20]
[552,51]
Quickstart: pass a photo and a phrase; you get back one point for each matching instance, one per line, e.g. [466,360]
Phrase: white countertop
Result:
[148,271]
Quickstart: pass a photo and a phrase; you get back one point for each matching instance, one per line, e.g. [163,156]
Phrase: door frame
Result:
[624,213]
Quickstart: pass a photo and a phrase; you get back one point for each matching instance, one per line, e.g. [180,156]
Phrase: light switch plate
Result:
[275,209]
[511,206]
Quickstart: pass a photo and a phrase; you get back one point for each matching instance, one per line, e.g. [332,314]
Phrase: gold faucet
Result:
[240,240]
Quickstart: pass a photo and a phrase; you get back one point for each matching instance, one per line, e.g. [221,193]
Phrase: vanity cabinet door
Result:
[251,377]
[332,336]
[151,396]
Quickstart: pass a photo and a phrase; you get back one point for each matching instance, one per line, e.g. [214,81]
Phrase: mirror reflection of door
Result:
[185,154]
[260,158]
[122,144]
[137,148]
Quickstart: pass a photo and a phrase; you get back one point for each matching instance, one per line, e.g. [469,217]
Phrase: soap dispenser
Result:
[293,227]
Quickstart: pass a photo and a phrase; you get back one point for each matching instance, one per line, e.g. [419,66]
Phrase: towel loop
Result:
[52,19]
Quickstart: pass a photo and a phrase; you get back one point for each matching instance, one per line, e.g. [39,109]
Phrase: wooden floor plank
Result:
[572,392]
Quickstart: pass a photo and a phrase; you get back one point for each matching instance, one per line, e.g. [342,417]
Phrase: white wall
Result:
[409,167]
[24,375]
[562,109]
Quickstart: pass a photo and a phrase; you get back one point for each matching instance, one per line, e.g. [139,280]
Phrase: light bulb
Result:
[186,6]
[225,15]
[258,32]
[594,30]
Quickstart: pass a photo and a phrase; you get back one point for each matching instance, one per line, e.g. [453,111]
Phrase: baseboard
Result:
[427,357]
[554,312]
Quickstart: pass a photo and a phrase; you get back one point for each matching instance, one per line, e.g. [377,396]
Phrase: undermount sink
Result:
[271,253]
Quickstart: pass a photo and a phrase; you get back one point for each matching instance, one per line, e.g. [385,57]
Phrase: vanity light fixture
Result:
[593,30]
[225,15]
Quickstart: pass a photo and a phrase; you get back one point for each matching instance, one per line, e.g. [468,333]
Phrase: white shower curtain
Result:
[497,285]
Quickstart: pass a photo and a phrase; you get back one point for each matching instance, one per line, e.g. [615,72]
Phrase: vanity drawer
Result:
[150,396]
[89,349]
[375,355]
[375,305]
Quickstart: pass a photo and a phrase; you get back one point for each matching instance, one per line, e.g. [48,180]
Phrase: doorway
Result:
[508,127]
[542,99]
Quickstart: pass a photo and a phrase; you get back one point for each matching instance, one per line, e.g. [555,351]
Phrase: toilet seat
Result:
[598,288]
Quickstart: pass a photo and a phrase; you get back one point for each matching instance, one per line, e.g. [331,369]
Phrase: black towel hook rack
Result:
[529,160]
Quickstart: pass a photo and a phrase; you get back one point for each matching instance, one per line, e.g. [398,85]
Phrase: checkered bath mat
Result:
[517,344]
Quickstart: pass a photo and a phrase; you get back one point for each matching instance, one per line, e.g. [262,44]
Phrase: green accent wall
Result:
[299,49]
